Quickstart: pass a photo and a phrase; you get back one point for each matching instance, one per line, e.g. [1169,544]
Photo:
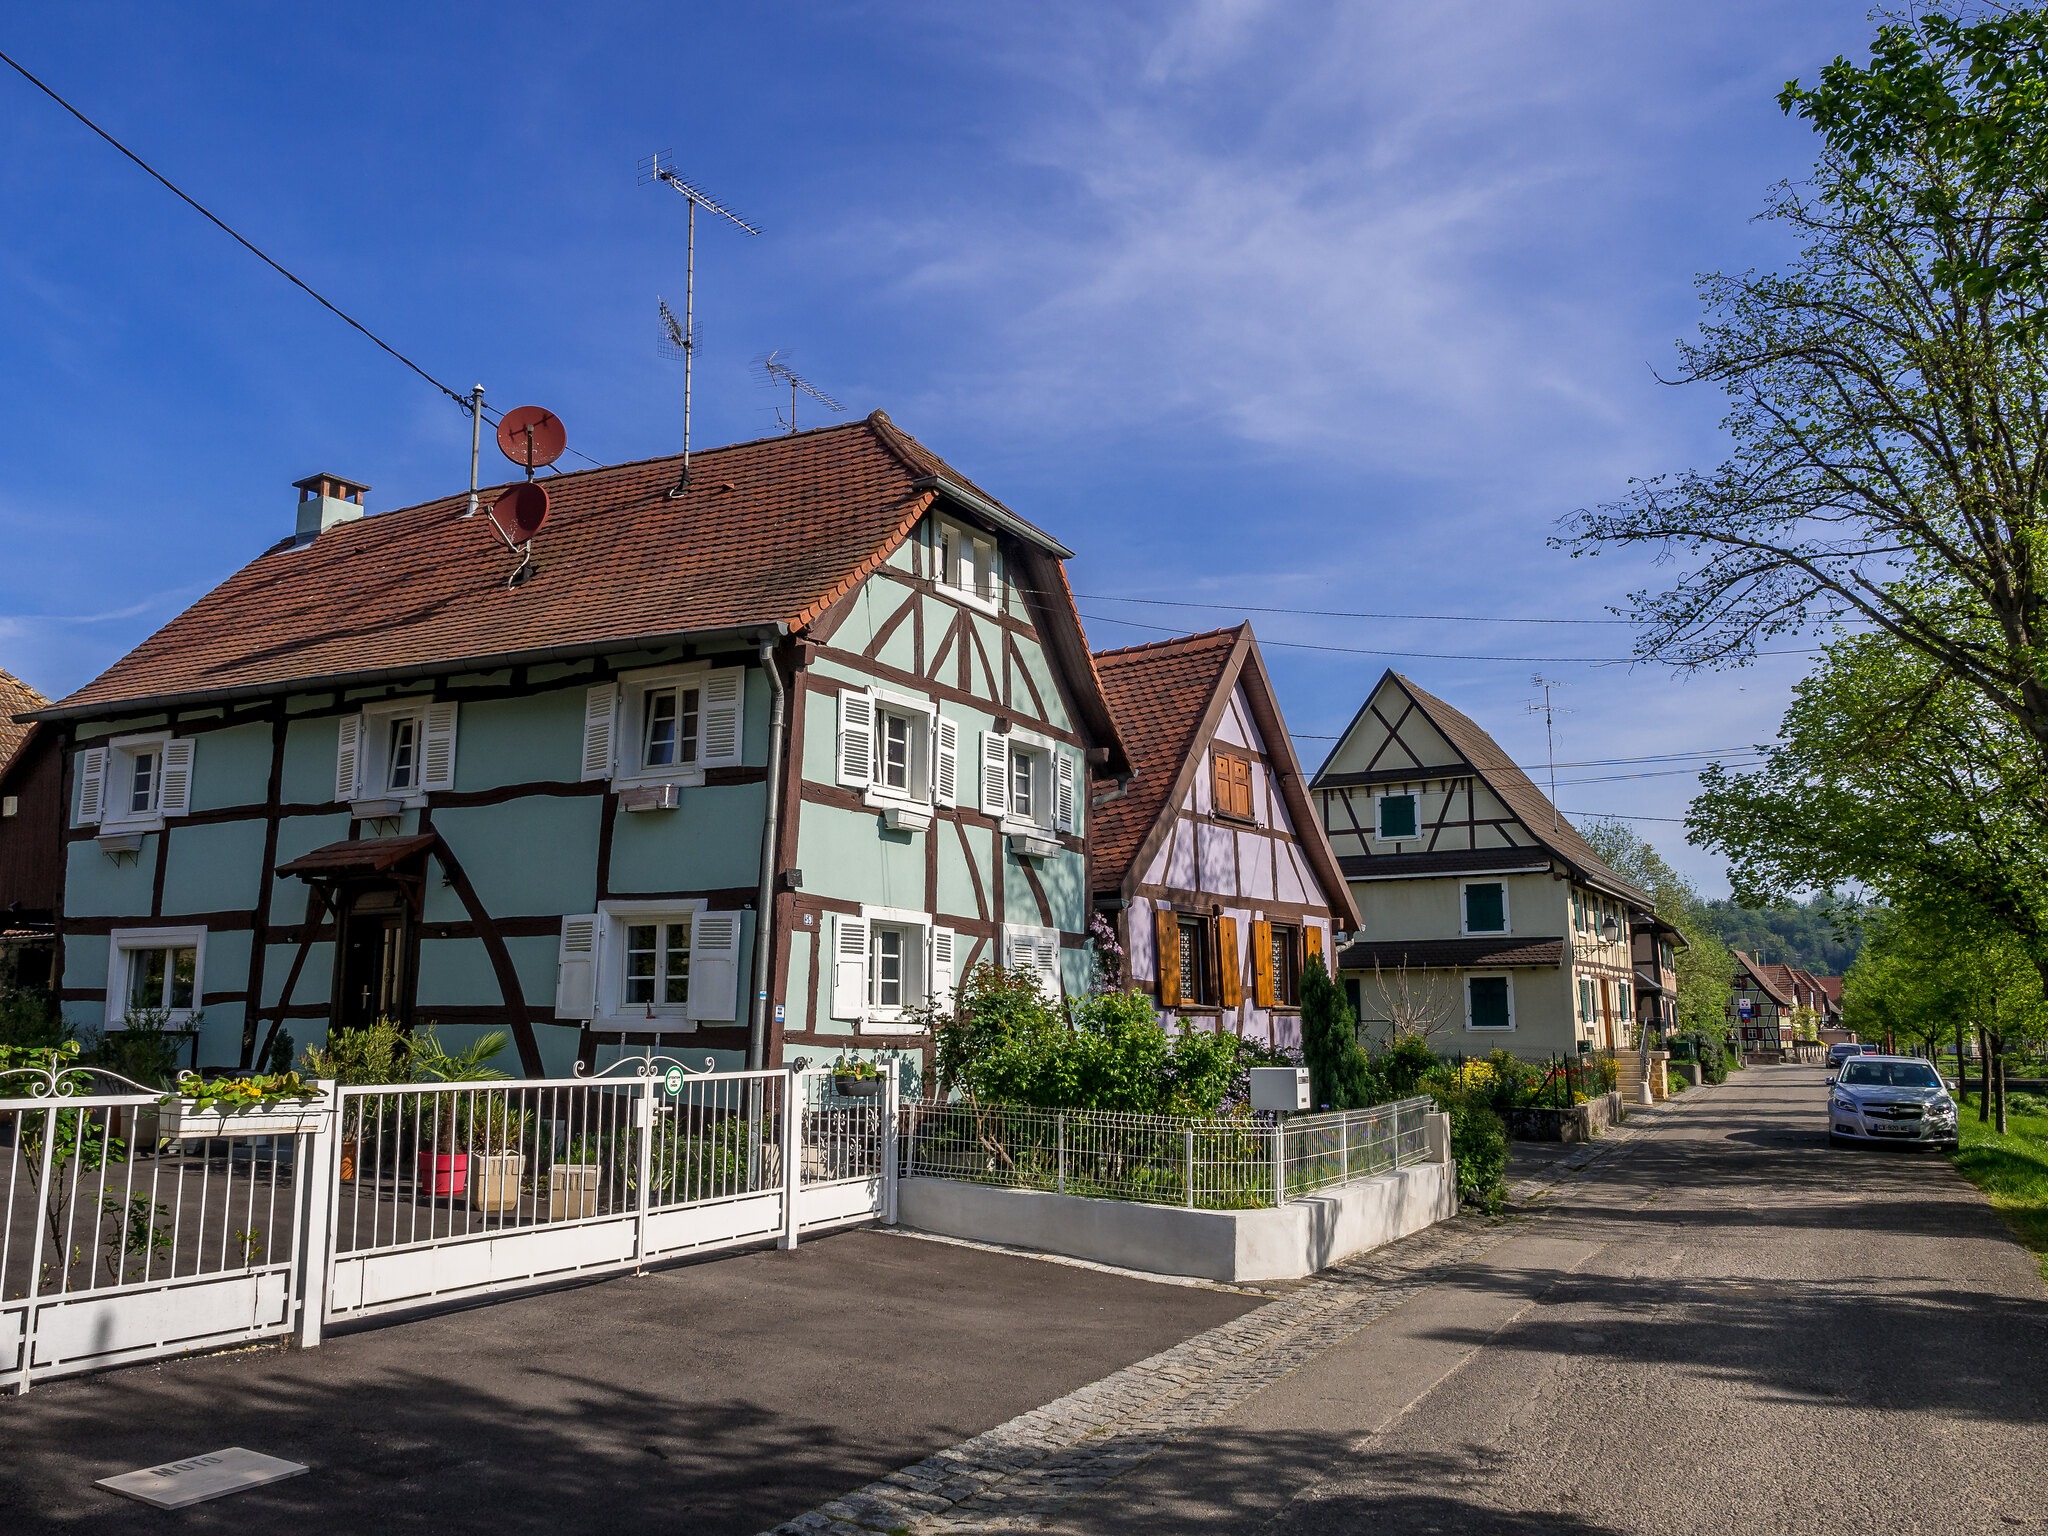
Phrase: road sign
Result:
[672,1081]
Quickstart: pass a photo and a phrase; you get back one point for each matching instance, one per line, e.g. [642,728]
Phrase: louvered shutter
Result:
[995,773]
[1229,969]
[175,795]
[715,966]
[92,787]
[576,968]
[849,967]
[856,739]
[348,758]
[1049,965]
[724,709]
[1167,926]
[1262,963]
[437,755]
[1063,790]
[946,761]
[600,730]
[1312,938]
[942,968]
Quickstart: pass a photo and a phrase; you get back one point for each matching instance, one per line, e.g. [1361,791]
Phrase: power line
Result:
[250,246]
[1339,613]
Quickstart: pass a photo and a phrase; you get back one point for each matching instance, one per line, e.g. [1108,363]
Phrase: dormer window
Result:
[964,564]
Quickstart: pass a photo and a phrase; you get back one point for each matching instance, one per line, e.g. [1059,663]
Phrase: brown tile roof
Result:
[1448,954]
[1517,791]
[1765,977]
[770,533]
[16,698]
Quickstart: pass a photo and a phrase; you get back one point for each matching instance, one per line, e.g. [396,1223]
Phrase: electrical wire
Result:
[255,250]
[1338,613]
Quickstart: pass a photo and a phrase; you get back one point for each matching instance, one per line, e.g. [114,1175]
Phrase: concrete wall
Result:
[1236,1247]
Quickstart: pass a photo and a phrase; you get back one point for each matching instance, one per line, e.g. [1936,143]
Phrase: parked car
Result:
[1843,1050]
[1890,1098]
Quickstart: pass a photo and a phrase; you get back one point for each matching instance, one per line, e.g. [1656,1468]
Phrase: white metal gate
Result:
[113,1249]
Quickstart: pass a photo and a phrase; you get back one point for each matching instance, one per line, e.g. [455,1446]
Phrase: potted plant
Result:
[496,1164]
[374,1054]
[856,1079]
[266,1104]
[573,1180]
[444,1166]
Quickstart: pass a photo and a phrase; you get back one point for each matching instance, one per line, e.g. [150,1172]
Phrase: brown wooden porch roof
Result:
[365,856]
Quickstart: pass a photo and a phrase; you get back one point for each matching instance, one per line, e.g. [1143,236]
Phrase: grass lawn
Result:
[2011,1169]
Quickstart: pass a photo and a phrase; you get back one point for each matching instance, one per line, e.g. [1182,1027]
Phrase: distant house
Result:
[31,847]
[760,768]
[1210,863]
[1657,943]
[1486,919]
[1762,1005]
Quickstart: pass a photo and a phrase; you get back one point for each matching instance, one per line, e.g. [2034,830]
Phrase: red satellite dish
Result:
[521,511]
[532,436]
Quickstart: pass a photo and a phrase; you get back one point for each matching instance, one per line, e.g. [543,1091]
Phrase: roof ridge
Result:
[1230,632]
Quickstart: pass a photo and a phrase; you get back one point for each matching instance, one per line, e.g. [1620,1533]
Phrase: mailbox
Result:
[1283,1089]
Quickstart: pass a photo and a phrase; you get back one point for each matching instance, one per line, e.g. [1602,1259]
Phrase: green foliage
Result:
[2012,1170]
[1479,1141]
[30,1021]
[18,1061]
[1702,963]
[1925,971]
[1340,1074]
[1817,935]
[855,1066]
[72,1137]
[138,1228]
[433,1062]
[232,1094]
[145,1049]
[1401,1068]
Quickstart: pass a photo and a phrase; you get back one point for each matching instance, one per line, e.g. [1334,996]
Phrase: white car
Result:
[1890,1098]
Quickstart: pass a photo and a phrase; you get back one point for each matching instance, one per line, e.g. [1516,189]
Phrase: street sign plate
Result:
[198,1478]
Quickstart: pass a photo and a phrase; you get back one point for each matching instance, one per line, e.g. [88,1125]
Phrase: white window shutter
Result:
[856,739]
[724,708]
[92,787]
[1063,791]
[715,966]
[1049,964]
[942,968]
[174,795]
[576,968]
[348,758]
[600,730]
[995,773]
[849,967]
[437,756]
[946,761]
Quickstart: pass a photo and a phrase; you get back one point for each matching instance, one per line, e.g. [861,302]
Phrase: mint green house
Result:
[750,772]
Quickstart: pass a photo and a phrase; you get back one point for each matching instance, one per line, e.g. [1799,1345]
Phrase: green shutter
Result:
[1486,908]
[1489,1001]
[1397,816]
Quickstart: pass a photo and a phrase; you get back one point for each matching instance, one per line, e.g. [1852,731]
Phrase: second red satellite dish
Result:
[532,436]
[521,511]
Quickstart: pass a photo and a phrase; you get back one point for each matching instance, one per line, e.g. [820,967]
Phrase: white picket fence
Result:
[118,1246]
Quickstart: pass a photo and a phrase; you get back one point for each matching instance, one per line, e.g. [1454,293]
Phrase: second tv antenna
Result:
[657,168]
[779,374]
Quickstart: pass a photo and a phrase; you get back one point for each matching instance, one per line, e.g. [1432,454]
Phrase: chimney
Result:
[325,500]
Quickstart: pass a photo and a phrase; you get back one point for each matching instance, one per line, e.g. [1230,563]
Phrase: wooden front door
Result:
[371,974]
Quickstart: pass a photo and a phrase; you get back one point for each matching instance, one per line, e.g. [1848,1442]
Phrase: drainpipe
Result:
[771,824]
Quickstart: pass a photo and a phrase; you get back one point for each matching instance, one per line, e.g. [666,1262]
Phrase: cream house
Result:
[1487,920]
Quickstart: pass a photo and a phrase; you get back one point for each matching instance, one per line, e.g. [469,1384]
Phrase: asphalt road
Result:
[715,1398]
[1723,1326]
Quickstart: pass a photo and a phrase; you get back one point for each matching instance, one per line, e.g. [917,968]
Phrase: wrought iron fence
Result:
[1232,1163]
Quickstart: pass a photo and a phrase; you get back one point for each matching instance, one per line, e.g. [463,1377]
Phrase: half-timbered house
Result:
[1487,920]
[30,848]
[1210,862]
[384,769]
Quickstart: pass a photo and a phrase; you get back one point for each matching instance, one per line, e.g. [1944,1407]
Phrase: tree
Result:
[1888,393]
[1703,964]
[1340,1074]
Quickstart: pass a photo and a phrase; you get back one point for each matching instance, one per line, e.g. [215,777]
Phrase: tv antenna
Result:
[778,373]
[655,168]
[533,438]
[1549,712]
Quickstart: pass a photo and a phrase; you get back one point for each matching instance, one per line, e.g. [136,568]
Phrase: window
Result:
[899,751]
[154,970]
[142,783]
[887,964]
[1028,782]
[399,750]
[133,782]
[1486,906]
[1024,772]
[640,965]
[1489,1002]
[1195,953]
[964,563]
[1286,951]
[658,967]
[1586,1000]
[402,766]
[1233,772]
[1399,816]
[665,726]
[1037,950]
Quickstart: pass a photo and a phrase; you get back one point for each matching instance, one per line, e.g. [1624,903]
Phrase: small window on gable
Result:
[1233,780]
[1486,906]
[1399,816]
[965,563]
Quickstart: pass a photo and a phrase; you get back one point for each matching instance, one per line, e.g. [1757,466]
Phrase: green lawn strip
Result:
[2012,1170]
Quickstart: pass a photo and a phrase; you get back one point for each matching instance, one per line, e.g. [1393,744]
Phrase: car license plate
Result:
[1894,1130]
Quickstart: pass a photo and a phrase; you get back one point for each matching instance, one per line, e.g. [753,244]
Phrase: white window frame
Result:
[933,980]
[949,539]
[124,942]
[1507,917]
[117,783]
[1490,1029]
[373,751]
[634,687]
[609,1010]
[615,724]
[934,745]
[1379,815]
[1046,756]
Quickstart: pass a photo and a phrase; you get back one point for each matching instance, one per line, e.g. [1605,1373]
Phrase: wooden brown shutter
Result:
[1241,772]
[1312,939]
[1168,929]
[1229,969]
[1219,767]
[1262,962]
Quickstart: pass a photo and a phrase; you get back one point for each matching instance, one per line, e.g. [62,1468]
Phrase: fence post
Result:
[892,1106]
[1191,1166]
[1061,1134]
[1344,1147]
[1279,1160]
[35,1262]
[318,1157]
[643,1122]
[792,1154]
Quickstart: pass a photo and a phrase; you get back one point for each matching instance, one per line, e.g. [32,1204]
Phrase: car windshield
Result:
[1889,1074]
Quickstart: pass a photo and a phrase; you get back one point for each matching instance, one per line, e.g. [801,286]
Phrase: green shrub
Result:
[1403,1066]
[1479,1142]
[1340,1074]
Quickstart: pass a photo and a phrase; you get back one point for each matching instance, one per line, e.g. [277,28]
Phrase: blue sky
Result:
[1290,305]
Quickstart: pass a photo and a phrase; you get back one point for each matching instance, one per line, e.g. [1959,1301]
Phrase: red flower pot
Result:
[444,1173]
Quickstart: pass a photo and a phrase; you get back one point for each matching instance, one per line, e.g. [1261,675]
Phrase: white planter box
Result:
[572,1191]
[179,1121]
[494,1180]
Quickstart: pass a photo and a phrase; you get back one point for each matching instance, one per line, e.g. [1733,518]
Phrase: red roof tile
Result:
[16,698]
[769,533]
